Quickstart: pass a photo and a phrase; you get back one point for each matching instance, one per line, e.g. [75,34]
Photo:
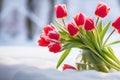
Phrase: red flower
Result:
[102,10]
[116,24]
[43,42]
[61,11]
[79,19]
[53,35]
[89,24]
[54,47]
[67,66]
[72,29]
[48,28]
[46,38]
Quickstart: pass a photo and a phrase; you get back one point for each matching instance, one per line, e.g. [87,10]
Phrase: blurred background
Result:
[21,21]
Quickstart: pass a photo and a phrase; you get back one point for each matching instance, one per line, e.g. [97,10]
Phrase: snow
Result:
[37,63]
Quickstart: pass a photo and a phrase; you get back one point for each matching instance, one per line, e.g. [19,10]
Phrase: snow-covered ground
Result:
[37,63]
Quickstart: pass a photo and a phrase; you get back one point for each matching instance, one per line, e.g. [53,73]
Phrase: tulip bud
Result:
[102,10]
[89,24]
[67,66]
[54,47]
[48,28]
[72,29]
[53,35]
[79,19]
[116,24]
[61,11]
[43,42]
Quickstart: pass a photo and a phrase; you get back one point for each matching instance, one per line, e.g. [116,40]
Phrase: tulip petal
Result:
[72,29]
[79,19]
[102,10]
[67,66]
[116,24]
[54,47]
[53,35]
[61,11]
[89,24]
[48,28]
[43,42]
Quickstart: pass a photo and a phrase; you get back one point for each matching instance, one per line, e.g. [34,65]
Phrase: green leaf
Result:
[72,44]
[112,55]
[62,58]
[64,35]
[88,41]
[102,33]
[91,40]
[82,30]
[110,49]
[90,34]
[97,32]
[99,26]
[60,26]
[115,42]
[97,37]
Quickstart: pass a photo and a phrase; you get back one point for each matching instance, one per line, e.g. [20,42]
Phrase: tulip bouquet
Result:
[85,34]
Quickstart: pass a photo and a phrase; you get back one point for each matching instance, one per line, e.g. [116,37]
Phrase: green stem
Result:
[112,56]
[64,22]
[100,65]
[104,59]
[93,33]
[108,37]
[81,39]
[97,33]
[97,21]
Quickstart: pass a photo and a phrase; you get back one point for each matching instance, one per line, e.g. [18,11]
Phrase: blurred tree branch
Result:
[30,25]
[0,6]
[0,15]
[51,11]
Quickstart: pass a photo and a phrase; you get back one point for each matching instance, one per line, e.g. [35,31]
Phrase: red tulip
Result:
[89,24]
[102,10]
[67,66]
[61,11]
[116,24]
[54,47]
[72,29]
[53,35]
[46,38]
[79,19]
[48,28]
[43,42]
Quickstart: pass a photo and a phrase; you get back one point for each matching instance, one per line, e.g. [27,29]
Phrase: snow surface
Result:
[37,63]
